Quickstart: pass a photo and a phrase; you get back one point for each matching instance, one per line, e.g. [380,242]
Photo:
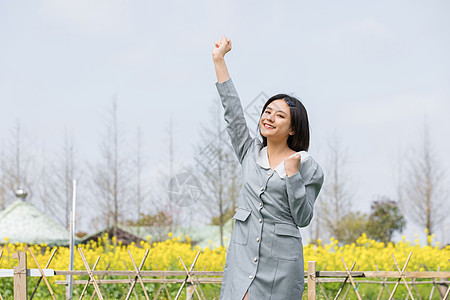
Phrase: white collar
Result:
[263,161]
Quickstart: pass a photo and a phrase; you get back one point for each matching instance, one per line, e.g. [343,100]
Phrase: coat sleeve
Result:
[234,116]
[302,189]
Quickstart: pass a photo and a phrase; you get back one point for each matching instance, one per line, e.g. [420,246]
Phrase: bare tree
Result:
[111,175]
[314,229]
[138,166]
[44,189]
[138,163]
[64,166]
[219,170]
[69,170]
[166,204]
[336,198]
[5,193]
[17,165]
[424,186]
[316,226]
[172,210]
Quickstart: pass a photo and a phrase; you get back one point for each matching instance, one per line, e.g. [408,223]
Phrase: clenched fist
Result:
[221,48]
[292,164]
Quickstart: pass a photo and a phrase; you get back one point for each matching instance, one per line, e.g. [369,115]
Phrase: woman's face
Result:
[275,122]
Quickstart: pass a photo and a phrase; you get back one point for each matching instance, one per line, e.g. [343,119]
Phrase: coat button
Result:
[257,239]
[260,220]
[262,189]
[255,259]
[268,173]
[260,203]
[250,277]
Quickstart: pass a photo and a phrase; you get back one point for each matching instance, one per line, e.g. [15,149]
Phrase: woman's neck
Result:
[276,149]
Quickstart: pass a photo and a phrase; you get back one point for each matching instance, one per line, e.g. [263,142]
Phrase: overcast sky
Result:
[372,71]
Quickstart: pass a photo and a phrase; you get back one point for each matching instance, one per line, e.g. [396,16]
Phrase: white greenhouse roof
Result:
[22,222]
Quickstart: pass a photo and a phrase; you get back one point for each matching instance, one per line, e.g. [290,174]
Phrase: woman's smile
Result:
[268,126]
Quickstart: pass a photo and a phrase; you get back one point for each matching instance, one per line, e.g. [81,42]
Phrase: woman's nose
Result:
[270,117]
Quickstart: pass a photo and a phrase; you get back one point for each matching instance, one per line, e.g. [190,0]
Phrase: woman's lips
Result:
[268,126]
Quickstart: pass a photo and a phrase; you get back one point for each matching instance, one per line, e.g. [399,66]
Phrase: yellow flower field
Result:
[365,252]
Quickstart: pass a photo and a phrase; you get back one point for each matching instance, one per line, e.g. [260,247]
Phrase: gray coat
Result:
[265,254]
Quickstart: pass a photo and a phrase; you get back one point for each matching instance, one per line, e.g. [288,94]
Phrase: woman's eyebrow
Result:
[268,107]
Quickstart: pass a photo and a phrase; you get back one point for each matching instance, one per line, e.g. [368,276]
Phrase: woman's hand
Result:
[292,164]
[221,48]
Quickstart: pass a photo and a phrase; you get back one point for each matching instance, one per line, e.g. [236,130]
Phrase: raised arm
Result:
[234,114]
[221,48]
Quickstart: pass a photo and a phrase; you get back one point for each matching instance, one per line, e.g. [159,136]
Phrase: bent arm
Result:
[303,188]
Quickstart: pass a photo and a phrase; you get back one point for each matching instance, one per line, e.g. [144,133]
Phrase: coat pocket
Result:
[241,226]
[287,243]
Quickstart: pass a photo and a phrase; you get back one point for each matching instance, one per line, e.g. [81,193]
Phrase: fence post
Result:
[189,291]
[20,276]
[311,280]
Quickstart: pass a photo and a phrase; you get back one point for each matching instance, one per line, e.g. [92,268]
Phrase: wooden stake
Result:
[20,276]
[138,275]
[320,285]
[345,281]
[101,286]
[199,285]
[94,282]
[163,284]
[414,286]
[42,274]
[40,278]
[446,294]
[129,283]
[348,287]
[188,276]
[311,280]
[89,279]
[402,277]
[351,279]
[434,281]
[384,284]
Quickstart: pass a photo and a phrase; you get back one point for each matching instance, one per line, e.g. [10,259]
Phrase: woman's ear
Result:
[292,132]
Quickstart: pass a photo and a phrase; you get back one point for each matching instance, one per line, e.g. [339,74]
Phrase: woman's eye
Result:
[281,116]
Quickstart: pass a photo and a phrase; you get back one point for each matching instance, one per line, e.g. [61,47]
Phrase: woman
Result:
[281,182]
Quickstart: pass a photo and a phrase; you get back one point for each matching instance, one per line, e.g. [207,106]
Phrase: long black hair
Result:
[299,141]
